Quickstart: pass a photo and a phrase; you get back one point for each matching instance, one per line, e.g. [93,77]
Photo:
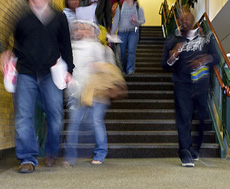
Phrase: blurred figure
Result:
[90,60]
[102,10]
[104,14]
[37,51]
[191,55]
[128,19]
[70,9]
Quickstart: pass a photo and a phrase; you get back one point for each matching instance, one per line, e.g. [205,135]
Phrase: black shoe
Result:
[195,155]
[26,168]
[186,158]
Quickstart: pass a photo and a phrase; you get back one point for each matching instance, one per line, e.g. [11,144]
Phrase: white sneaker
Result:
[95,162]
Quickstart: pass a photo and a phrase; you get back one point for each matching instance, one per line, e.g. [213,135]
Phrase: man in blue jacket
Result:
[41,37]
[191,55]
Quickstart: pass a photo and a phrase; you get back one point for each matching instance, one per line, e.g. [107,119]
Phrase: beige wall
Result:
[214,7]
[151,10]
[211,7]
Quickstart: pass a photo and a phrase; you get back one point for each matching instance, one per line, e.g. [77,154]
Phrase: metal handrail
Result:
[222,85]
[162,8]
[174,14]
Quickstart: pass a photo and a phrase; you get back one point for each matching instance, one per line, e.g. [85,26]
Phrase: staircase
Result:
[143,125]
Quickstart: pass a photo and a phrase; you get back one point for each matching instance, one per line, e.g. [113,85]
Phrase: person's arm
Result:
[211,58]
[170,53]
[108,15]
[141,17]
[115,21]
[213,52]
[65,44]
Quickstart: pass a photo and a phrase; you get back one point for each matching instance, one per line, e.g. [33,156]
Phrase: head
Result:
[187,21]
[72,4]
[84,30]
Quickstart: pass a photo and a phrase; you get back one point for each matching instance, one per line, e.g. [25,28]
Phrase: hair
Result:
[66,4]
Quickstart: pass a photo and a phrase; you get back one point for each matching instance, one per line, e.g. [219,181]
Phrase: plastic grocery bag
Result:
[10,75]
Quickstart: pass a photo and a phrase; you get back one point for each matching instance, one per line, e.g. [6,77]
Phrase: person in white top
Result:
[70,9]
[87,51]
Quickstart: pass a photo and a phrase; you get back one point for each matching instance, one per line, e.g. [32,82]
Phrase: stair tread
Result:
[141,110]
[144,145]
[159,133]
[143,101]
[144,121]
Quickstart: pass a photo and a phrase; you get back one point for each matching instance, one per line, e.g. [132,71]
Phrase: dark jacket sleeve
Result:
[213,52]
[64,43]
[169,44]
[104,13]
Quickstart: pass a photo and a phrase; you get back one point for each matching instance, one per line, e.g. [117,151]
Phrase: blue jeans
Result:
[27,91]
[95,115]
[187,96]
[77,115]
[129,39]
[101,148]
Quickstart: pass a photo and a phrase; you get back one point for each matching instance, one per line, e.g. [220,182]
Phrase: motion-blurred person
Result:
[41,37]
[70,9]
[103,12]
[89,58]
[191,55]
[128,19]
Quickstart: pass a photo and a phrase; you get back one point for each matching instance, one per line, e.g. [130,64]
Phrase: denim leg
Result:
[101,148]
[201,99]
[132,46]
[25,136]
[184,111]
[52,99]
[76,116]
[123,47]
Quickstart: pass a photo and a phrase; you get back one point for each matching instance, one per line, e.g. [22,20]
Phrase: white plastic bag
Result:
[10,75]
[59,73]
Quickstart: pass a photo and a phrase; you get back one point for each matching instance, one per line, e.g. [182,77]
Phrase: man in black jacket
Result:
[41,37]
[191,55]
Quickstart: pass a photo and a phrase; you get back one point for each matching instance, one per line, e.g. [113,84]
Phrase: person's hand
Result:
[68,77]
[200,61]
[133,20]
[5,58]
[176,50]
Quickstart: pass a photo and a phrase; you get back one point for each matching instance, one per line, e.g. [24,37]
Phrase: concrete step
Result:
[150,125]
[154,136]
[143,150]
[136,114]
[142,104]
[155,94]
[150,85]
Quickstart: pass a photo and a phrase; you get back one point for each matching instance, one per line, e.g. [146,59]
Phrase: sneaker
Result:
[95,162]
[130,72]
[186,158]
[195,155]
[67,164]
[26,168]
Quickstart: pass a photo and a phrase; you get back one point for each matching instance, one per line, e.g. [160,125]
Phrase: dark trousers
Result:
[187,96]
